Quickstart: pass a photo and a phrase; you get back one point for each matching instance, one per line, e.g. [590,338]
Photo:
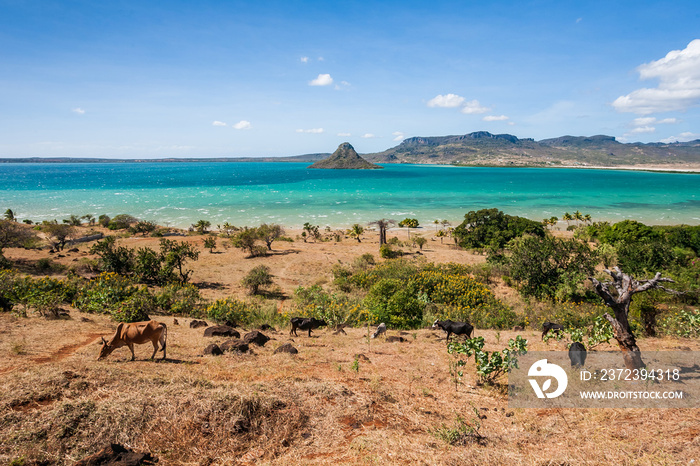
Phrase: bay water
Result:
[181,193]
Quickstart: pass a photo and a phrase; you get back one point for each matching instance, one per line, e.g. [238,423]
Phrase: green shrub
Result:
[256,278]
[335,309]
[393,302]
[105,293]
[180,300]
[229,311]
[136,308]
[681,323]
[387,252]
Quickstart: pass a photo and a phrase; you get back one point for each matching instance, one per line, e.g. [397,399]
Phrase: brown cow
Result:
[136,333]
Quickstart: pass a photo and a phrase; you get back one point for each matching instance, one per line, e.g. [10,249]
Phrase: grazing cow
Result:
[577,354]
[551,327]
[458,328]
[305,324]
[136,333]
[381,328]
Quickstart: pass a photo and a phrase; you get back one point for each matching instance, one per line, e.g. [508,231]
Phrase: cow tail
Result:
[164,337]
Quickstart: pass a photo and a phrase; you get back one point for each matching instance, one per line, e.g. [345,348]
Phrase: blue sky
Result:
[135,79]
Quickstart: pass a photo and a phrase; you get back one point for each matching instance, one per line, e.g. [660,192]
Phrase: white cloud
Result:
[679,83]
[474,107]
[243,124]
[368,136]
[344,135]
[643,130]
[667,121]
[446,101]
[304,59]
[79,111]
[322,80]
[398,136]
[683,137]
[495,118]
[643,121]
[218,123]
[312,130]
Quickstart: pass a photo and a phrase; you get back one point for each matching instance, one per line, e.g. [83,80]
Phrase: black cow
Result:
[305,324]
[577,354]
[551,327]
[458,328]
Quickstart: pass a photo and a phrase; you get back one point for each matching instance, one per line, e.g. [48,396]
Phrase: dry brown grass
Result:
[58,403]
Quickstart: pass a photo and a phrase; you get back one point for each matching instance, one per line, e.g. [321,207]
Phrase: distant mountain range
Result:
[484,149]
[345,158]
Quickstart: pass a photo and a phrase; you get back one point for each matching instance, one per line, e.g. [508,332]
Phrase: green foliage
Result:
[229,311]
[548,267]
[641,257]
[201,226]
[73,221]
[113,258]
[256,278]
[491,228]
[104,220]
[462,433]
[173,257]
[681,323]
[269,233]
[121,222]
[136,307]
[105,293]
[210,243]
[334,308]
[592,335]
[420,241]
[58,234]
[143,227]
[395,303]
[490,365]
[356,232]
[181,300]
[246,239]
[387,252]
[147,267]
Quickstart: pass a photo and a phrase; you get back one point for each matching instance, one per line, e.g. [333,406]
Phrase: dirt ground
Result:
[343,398]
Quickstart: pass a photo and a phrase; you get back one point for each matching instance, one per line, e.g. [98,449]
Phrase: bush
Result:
[393,302]
[681,323]
[121,222]
[181,300]
[105,293]
[491,228]
[229,311]
[335,309]
[387,252]
[136,308]
[258,277]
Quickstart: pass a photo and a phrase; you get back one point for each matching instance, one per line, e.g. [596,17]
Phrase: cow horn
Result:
[104,342]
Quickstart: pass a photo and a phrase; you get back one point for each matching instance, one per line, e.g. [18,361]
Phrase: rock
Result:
[234,344]
[362,357]
[393,339]
[256,337]
[344,157]
[286,348]
[175,322]
[221,331]
[114,455]
[213,349]
[267,327]
[198,323]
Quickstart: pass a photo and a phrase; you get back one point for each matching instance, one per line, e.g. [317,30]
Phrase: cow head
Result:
[105,350]
[435,324]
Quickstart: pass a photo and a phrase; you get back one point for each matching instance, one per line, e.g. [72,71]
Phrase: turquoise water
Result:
[179,194]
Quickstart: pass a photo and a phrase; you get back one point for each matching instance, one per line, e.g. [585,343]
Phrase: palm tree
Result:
[356,231]
[578,216]
[567,218]
[441,234]
[436,222]
[587,218]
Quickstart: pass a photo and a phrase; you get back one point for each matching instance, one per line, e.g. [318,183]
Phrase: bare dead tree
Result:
[382,224]
[619,301]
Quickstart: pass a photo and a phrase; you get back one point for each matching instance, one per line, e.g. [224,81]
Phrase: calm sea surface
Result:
[179,194]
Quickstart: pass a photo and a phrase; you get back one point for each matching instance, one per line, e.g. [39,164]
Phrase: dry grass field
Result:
[342,399]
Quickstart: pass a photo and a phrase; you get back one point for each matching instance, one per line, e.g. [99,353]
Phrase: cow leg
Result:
[133,355]
[448,338]
[155,349]
[309,332]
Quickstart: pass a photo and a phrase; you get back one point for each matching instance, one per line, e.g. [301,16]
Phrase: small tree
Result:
[73,221]
[210,243]
[356,232]
[257,277]
[619,300]
[246,239]
[420,241]
[144,227]
[310,231]
[9,215]
[113,258]
[89,218]
[175,255]
[269,233]
[104,220]
[58,234]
